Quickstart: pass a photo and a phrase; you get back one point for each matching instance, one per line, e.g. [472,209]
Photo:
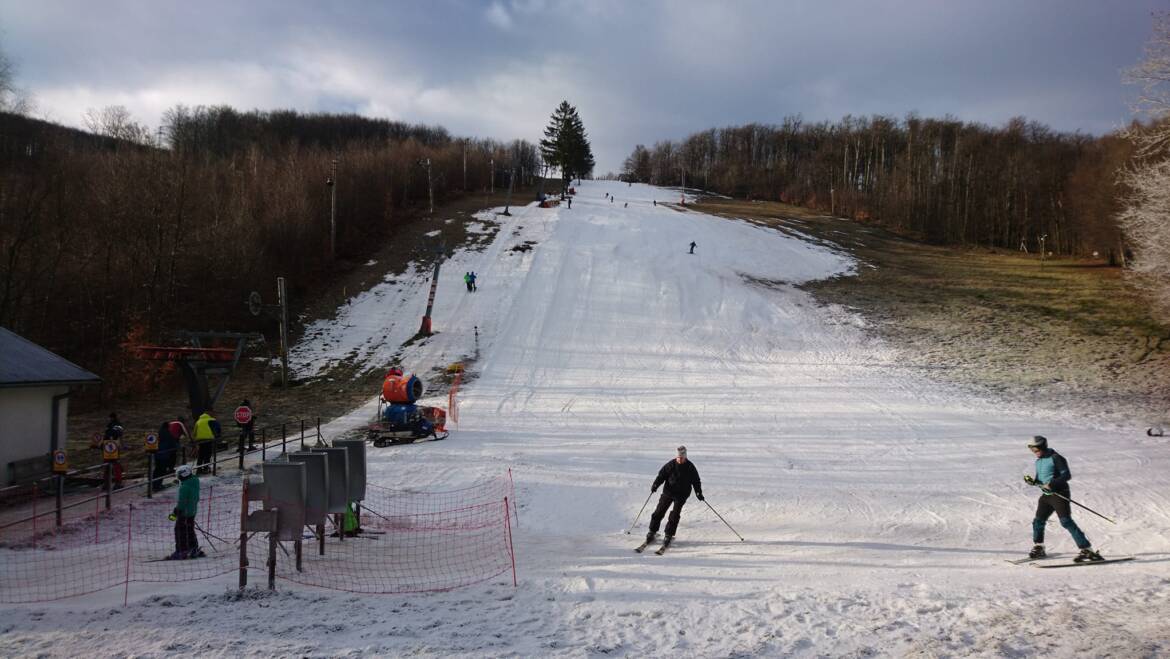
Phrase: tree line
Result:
[944,181]
[118,236]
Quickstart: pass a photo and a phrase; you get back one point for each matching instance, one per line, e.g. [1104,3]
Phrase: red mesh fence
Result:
[410,542]
[108,548]
[33,512]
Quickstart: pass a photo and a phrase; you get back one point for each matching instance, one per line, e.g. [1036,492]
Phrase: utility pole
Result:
[283,302]
[511,180]
[832,201]
[465,165]
[430,185]
[332,183]
[493,166]
[425,328]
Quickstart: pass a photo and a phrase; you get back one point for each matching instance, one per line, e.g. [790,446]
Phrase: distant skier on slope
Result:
[467,281]
[1052,476]
[679,475]
[693,246]
[473,277]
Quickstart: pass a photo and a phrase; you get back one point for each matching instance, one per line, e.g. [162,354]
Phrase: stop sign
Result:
[243,414]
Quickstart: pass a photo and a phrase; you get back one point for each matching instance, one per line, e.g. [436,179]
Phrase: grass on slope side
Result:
[1062,334]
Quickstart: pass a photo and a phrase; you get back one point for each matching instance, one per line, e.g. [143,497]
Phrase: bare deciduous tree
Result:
[116,122]
[12,98]
[1146,216]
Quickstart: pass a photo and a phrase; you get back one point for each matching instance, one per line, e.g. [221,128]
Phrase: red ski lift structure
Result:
[199,362]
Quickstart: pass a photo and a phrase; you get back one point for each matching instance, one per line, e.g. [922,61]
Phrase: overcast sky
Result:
[638,71]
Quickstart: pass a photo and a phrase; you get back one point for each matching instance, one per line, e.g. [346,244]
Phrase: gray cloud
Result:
[638,72]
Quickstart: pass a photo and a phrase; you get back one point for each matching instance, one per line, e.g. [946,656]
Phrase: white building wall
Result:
[26,423]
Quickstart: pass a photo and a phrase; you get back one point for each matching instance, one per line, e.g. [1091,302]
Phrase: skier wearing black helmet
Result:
[1052,476]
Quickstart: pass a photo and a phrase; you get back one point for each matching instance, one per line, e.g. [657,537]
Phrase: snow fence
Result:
[410,542]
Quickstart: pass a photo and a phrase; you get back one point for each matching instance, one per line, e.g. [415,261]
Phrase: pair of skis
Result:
[660,551]
[1041,562]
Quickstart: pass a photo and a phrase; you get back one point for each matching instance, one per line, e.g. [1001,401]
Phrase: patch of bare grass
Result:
[1063,334]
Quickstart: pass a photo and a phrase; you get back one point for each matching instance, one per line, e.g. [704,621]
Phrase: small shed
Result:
[35,385]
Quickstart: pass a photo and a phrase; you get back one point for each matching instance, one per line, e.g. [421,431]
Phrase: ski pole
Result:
[1084,506]
[207,537]
[640,512]
[1073,502]
[208,534]
[724,521]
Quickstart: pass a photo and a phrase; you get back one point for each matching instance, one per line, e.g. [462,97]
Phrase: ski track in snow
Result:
[877,506]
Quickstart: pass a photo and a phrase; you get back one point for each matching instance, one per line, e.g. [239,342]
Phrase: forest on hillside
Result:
[944,181]
[118,236]
[949,182]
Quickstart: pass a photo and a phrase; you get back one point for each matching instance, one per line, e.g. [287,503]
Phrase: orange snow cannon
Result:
[401,388]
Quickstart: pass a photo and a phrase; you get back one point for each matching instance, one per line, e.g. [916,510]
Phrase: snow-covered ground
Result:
[877,507]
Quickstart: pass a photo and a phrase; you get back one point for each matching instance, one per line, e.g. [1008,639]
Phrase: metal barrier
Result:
[56,484]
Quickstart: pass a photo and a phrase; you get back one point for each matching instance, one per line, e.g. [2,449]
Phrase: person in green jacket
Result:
[186,544]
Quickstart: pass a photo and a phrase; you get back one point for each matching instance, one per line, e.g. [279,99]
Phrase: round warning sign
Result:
[60,464]
[243,414]
[151,442]
[110,450]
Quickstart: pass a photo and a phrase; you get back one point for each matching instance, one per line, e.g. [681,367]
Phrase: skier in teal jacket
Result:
[186,544]
[1052,477]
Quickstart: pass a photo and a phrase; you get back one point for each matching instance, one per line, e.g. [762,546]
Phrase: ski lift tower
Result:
[199,363]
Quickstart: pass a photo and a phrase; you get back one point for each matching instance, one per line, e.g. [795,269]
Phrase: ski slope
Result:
[877,507]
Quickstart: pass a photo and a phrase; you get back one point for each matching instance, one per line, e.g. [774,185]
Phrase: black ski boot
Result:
[649,538]
[665,545]
[1037,552]
[1088,555]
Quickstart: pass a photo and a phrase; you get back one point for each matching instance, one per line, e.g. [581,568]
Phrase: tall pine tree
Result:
[566,145]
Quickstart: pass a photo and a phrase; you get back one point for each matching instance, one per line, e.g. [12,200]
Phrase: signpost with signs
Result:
[243,415]
[151,447]
[60,463]
[109,450]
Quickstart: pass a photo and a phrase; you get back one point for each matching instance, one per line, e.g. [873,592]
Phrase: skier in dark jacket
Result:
[679,475]
[248,430]
[1052,476]
[114,430]
[164,458]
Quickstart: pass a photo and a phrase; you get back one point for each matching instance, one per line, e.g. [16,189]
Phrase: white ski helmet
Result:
[1039,441]
[184,471]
